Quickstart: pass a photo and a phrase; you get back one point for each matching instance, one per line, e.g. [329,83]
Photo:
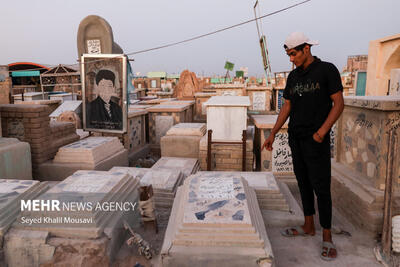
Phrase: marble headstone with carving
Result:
[187,166]
[214,219]
[11,193]
[85,198]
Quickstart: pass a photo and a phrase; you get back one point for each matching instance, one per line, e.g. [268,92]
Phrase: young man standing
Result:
[310,90]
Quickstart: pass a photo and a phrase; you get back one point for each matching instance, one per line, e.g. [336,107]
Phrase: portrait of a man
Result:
[105,112]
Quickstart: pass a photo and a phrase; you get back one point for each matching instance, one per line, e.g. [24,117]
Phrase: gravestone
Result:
[165,183]
[227,117]
[11,193]
[95,36]
[90,150]
[84,200]
[162,125]
[279,160]
[259,100]
[268,192]
[195,129]
[134,172]
[75,106]
[15,159]
[187,166]
[182,140]
[214,219]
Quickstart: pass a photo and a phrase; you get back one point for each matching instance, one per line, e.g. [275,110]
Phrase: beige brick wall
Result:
[226,157]
[31,123]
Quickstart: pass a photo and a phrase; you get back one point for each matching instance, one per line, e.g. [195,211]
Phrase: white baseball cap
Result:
[298,38]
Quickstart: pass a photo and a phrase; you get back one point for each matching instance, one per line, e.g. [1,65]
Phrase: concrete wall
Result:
[383,55]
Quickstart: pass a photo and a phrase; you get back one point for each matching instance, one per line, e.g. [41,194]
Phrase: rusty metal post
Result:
[388,199]
[209,142]
[244,138]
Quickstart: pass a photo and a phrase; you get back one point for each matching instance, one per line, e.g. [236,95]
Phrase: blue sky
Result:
[45,31]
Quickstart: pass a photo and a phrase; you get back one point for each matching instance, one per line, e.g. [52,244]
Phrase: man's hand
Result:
[268,142]
[317,137]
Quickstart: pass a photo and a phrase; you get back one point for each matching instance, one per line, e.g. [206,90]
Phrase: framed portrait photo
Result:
[104,92]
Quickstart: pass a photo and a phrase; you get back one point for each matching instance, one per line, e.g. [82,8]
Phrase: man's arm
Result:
[334,114]
[282,117]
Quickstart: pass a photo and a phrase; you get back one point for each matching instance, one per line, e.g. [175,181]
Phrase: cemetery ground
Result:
[355,250]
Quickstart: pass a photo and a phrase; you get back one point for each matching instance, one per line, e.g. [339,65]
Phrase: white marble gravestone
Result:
[187,166]
[227,117]
[259,99]
[74,105]
[90,150]
[214,219]
[165,183]
[11,193]
[133,171]
[82,197]
[268,192]
[192,129]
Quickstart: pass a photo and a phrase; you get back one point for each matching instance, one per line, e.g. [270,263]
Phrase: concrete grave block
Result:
[162,125]
[15,159]
[214,219]
[227,117]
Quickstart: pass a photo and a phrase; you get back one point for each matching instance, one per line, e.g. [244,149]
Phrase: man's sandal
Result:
[326,248]
[290,232]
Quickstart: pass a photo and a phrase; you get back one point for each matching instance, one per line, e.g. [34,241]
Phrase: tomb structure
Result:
[31,96]
[279,160]
[182,140]
[227,118]
[162,117]
[277,204]
[260,98]
[201,109]
[92,153]
[52,104]
[214,219]
[31,123]
[187,166]
[11,193]
[165,183]
[367,153]
[92,207]
[15,159]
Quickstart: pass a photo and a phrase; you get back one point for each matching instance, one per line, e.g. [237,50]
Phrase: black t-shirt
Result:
[309,93]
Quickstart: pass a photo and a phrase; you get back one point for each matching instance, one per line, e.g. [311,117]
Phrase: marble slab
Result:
[229,101]
[90,150]
[169,108]
[192,129]
[12,192]
[268,192]
[218,217]
[187,166]
[134,172]
[162,180]
[83,188]
[266,121]
[162,125]
[391,102]
[217,200]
